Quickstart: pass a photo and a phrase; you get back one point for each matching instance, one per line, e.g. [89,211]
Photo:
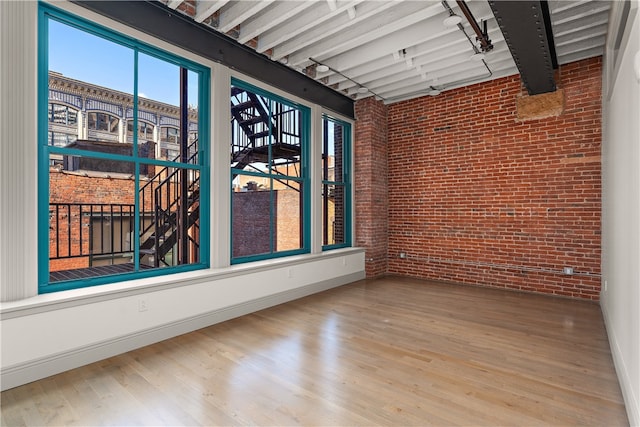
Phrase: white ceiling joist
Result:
[237,12]
[314,17]
[205,9]
[272,18]
[358,39]
[340,25]
[388,37]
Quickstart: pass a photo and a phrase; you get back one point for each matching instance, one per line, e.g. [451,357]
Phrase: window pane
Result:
[333,226]
[332,151]
[104,71]
[251,220]
[287,204]
[334,188]
[267,175]
[90,220]
[170,218]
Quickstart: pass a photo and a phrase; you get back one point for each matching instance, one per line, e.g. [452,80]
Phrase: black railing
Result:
[90,229]
[263,134]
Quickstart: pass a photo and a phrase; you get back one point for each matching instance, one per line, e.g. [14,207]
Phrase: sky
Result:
[82,56]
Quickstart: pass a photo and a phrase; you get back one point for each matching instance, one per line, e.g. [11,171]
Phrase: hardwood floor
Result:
[392,351]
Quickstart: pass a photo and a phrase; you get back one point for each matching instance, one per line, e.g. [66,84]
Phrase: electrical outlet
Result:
[142,305]
[403,255]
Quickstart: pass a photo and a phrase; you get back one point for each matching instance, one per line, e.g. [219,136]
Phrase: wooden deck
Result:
[391,352]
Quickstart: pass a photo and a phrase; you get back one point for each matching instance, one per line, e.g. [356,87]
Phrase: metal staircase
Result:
[169,224]
[170,200]
[261,132]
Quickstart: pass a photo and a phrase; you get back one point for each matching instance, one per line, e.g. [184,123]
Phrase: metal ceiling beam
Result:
[158,20]
[526,26]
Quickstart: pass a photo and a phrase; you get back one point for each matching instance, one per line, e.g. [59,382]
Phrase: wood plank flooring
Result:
[391,351]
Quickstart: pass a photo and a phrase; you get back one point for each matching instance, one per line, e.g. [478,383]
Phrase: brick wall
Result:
[76,188]
[478,196]
[370,183]
[251,229]
[250,220]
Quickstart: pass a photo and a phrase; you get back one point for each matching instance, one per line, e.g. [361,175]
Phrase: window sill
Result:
[82,296]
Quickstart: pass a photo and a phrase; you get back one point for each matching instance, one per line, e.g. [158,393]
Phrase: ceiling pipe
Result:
[482,35]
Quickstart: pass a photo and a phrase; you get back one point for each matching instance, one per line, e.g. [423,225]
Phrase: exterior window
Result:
[269,199]
[61,139]
[170,135]
[336,188]
[127,214]
[63,127]
[62,114]
[170,142]
[145,131]
[102,121]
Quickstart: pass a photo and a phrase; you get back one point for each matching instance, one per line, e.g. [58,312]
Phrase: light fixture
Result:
[362,89]
[321,68]
[452,20]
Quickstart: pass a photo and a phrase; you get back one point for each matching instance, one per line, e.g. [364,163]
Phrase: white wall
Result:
[620,297]
[46,334]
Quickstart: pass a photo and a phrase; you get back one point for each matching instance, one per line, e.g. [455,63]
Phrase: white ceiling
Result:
[397,49]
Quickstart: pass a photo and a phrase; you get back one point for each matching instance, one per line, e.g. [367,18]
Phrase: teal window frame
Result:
[45,14]
[304,179]
[345,182]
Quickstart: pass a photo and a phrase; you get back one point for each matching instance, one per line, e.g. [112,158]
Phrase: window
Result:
[62,114]
[61,139]
[170,135]
[103,122]
[269,199]
[113,209]
[145,131]
[336,188]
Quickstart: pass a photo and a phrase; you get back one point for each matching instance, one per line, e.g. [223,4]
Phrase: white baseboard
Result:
[24,373]
[631,401]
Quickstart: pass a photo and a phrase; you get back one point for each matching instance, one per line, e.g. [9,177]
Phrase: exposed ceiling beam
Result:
[238,12]
[451,81]
[394,37]
[433,47]
[581,11]
[341,25]
[426,55]
[272,18]
[173,4]
[312,18]
[436,66]
[579,35]
[388,32]
[530,40]
[386,46]
[208,8]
